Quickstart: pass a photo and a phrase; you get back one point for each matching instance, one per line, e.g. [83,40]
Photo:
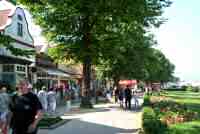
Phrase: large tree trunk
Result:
[116,83]
[86,89]
[87,65]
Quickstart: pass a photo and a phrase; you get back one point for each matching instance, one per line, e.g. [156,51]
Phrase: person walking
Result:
[4,110]
[42,95]
[116,95]
[51,99]
[121,97]
[128,97]
[108,95]
[135,99]
[26,110]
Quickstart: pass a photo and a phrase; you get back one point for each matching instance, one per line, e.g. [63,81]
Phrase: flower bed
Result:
[172,112]
[166,111]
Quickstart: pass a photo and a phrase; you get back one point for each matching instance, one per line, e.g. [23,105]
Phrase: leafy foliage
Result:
[68,22]
[151,124]
[179,110]
[138,61]
[95,32]
[159,68]
[6,41]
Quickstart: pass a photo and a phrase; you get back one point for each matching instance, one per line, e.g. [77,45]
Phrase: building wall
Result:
[4,51]
[11,30]
[0,72]
[24,42]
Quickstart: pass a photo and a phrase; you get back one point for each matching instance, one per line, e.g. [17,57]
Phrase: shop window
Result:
[8,78]
[20,29]
[8,68]
[19,17]
[20,76]
[21,69]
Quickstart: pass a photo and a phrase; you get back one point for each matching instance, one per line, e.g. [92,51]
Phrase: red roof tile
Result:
[4,17]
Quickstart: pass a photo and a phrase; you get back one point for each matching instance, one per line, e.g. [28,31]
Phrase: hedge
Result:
[151,124]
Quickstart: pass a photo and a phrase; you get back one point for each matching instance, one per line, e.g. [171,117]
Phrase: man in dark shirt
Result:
[26,110]
[128,97]
[116,94]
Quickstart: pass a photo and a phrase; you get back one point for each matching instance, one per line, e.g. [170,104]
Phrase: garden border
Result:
[56,125]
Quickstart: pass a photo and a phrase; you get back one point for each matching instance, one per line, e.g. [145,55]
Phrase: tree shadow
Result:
[78,126]
[86,111]
[103,108]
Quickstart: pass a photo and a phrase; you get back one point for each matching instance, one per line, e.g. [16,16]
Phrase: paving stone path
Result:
[104,119]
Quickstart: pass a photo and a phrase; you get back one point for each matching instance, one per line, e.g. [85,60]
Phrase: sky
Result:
[179,38]
[35,30]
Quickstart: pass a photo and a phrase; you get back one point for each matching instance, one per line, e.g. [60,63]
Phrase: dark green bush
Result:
[151,123]
[48,121]
[176,89]
[147,101]
[193,89]
[196,89]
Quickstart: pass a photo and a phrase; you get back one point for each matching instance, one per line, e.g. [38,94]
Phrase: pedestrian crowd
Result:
[48,99]
[21,111]
[124,97]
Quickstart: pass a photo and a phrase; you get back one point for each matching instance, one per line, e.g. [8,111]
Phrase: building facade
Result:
[13,23]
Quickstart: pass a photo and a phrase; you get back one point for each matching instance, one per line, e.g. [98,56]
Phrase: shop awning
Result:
[127,82]
[13,60]
[55,72]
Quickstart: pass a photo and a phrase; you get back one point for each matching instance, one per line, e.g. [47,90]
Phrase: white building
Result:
[14,24]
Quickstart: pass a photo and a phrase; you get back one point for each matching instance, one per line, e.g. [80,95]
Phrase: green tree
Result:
[159,68]
[138,61]
[127,61]
[13,1]
[83,28]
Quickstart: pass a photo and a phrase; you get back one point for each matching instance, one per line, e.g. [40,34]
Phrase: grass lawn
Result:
[192,101]
[186,128]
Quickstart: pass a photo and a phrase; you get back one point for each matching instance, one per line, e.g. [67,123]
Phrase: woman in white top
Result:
[42,95]
[51,98]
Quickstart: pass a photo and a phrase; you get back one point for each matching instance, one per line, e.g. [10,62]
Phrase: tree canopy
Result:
[88,30]
[137,61]
[159,68]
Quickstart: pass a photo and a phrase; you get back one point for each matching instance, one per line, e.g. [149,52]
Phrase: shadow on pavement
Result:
[84,127]
[86,111]
[79,111]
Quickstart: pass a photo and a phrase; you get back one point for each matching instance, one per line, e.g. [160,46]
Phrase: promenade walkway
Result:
[103,119]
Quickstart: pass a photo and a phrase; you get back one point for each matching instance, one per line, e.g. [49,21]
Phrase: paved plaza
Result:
[103,119]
